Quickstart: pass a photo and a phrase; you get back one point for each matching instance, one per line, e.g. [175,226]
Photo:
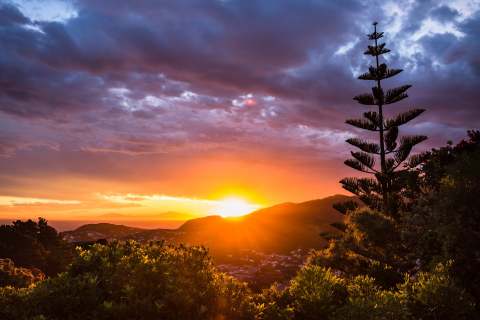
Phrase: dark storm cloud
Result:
[444,14]
[218,47]
[154,77]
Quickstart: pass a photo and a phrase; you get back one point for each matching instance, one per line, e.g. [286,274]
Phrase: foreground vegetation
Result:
[158,281]
[408,248]
[421,266]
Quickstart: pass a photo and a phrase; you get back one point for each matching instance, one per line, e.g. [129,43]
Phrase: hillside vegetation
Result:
[280,228]
[130,280]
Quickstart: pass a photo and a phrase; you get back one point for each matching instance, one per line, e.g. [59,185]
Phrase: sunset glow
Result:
[234,207]
[171,119]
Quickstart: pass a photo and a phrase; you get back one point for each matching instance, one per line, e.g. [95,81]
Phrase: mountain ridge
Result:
[279,228]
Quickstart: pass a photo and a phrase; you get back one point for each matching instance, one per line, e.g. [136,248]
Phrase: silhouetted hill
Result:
[95,231]
[280,228]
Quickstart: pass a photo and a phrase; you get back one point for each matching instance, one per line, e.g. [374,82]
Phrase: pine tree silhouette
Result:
[384,191]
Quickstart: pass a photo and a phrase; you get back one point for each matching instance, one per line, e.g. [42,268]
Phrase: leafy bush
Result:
[13,303]
[273,304]
[435,295]
[317,293]
[33,244]
[368,301]
[10,275]
[444,223]
[370,245]
[130,281]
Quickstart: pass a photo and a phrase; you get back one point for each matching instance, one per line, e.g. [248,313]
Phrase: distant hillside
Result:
[280,228]
[95,231]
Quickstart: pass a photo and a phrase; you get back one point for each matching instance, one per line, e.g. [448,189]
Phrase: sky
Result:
[165,108]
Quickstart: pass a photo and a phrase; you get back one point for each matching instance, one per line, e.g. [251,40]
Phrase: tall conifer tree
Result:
[384,191]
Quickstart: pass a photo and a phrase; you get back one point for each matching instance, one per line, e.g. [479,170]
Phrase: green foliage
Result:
[273,304]
[130,281]
[316,293]
[14,304]
[10,275]
[370,245]
[434,295]
[444,222]
[35,245]
[367,301]
[319,293]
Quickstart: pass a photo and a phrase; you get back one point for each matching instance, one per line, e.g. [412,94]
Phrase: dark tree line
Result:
[33,244]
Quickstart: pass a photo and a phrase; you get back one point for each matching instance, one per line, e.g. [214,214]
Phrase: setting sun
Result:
[234,207]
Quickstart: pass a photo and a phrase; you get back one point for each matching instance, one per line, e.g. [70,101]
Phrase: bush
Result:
[10,275]
[435,295]
[130,281]
[273,304]
[444,223]
[368,301]
[33,244]
[13,303]
[316,293]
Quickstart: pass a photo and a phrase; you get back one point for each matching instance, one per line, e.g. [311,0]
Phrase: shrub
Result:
[10,275]
[13,303]
[368,301]
[33,244]
[435,295]
[130,281]
[316,293]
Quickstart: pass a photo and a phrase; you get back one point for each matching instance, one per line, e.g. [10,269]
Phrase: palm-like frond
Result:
[391,138]
[369,185]
[362,124]
[396,94]
[403,118]
[406,145]
[365,98]
[364,158]
[374,117]
[372,201]
[357,165]
[346,206]
[361,186]
[417,159]
[380,73]
[364,145]
[375,35]
[351,184]
[376,51]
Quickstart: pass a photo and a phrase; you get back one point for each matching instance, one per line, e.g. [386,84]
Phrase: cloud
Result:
[185,204]
[14,201]
[111,91]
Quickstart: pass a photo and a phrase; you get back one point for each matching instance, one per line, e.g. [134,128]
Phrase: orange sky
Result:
[190,189]
[135,112]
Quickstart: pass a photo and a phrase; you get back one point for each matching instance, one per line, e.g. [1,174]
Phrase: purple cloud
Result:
[114,85]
